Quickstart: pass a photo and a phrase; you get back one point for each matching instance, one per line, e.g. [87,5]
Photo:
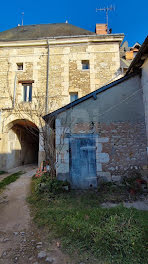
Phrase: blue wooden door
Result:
[83,163]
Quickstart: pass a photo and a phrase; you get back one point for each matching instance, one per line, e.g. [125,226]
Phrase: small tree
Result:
[34,111]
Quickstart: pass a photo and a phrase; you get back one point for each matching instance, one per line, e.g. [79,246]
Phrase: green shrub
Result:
[107,186]
[55,186]
[130,180]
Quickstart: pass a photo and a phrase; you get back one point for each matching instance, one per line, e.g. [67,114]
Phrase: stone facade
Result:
[65,76]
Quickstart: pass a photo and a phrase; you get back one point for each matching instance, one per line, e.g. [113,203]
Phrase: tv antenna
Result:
[106,9]
[22,18]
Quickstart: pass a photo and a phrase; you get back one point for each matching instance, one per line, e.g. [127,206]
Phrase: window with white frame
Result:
[27,92]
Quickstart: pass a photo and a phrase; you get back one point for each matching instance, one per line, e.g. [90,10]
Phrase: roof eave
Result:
[115,37]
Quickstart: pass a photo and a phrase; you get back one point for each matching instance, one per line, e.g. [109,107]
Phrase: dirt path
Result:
[25,168]
[20,240]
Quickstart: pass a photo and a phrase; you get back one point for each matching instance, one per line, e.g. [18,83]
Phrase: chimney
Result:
[101,29]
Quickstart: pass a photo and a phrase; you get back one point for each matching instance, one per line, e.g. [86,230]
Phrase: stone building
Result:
[103,134]
[42,68]
[127,54]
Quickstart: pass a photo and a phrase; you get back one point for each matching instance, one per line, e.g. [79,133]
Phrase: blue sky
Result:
[129,17]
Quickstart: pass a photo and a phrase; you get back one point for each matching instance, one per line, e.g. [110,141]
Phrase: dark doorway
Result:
[24,142]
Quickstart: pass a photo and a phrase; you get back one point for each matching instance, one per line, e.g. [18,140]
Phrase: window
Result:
[85,65]
[27,92]
[20,66]
[73,97]
[135,53]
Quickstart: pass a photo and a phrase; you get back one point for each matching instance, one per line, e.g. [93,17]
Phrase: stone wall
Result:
[116,119]
[65,75]
[65,71]
[118,147]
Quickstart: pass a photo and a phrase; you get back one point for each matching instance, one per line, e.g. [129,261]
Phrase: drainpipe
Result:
[47,88]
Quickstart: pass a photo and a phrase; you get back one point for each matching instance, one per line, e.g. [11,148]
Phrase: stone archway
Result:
[23,143]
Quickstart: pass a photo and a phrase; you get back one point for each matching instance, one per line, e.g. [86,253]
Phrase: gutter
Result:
[84,38]
[71,36]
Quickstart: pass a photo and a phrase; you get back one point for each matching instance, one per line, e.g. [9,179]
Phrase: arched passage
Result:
[23,143]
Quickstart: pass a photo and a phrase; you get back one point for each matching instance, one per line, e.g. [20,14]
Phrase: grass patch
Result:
[9,179]
[113,236]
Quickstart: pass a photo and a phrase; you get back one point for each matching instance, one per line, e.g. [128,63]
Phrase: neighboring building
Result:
[42,68]
[141,62]
[102,134]
[127,54]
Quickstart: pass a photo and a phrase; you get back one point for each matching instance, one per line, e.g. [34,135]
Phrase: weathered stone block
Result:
[104,176]
[116,178]
[99,148]
[103,157]
[103,140]
[99,167]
